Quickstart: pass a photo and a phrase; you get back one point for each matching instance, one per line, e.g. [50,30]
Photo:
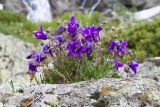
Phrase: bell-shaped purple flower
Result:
[60,30]
[117,64]
[123,48]
[91,34]
[118,47]
[89,47]
[133,65]
[75,49]
[47,50]
[32,67]
[37,57]
[73,27]
[58,39]
[113,45]
[40,34]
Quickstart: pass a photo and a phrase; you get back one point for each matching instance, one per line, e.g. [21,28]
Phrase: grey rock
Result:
[141,4]
[16,6]
[152,3]
[112,93]
[149,70]
[155,60]
[108,13]
[13,64]
[134,3]
[2,1]
[104,4]
[58,7]
[147,13]
[61,6]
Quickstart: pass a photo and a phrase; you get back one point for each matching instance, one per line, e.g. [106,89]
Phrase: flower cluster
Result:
[119,49]
[74,40]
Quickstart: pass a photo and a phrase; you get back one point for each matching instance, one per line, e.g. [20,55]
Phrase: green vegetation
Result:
[70,70]
[17,25]
[143,38]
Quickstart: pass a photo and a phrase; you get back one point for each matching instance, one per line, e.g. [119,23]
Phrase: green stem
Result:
[60,74]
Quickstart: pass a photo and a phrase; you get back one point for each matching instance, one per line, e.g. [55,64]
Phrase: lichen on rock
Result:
[102,93]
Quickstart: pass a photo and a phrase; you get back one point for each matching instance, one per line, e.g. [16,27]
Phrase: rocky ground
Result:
[102,93]
[13,65]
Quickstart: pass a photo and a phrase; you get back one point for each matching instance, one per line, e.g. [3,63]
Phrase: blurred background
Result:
[136,20]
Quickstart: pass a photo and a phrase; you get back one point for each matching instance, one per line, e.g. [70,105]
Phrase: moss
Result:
[143,99]
[106,90]
[6,16]
[17,25]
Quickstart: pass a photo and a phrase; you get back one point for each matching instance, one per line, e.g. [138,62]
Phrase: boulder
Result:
[103,5]
[152,3]
[13,64]
[134,3]
[16,6]
[102,93]
[58,7]
[155,60]
[140,4]
[149,69]
[147,13]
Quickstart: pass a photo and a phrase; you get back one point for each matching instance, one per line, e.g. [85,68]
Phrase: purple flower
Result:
[117,64]
[38,57]
[47,50]
[113,45]
[133,65]
[123,48]
[91,34]
[89,47]
[59,39]
[75,49]
[40,34]
[118,47]
[73,27]
[32,67]
[60,30]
